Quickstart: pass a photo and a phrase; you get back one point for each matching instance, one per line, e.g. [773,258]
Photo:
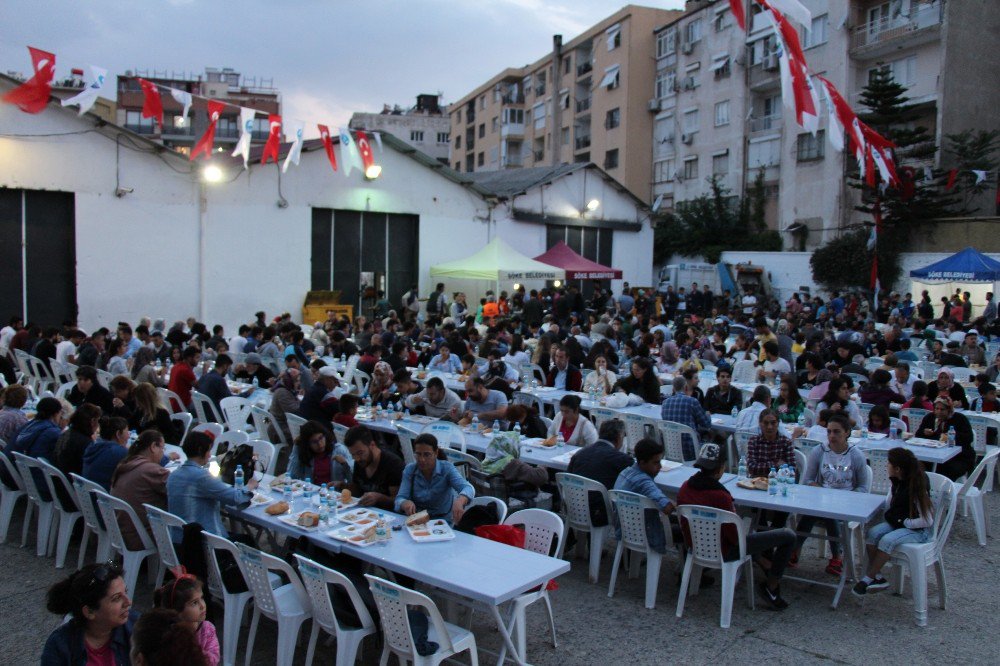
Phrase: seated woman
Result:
[877,391]
[433,485]
[284,400]
[641,381]
[102,457]
[316,456]
[99,630]
[936,426]
[878,420]
[770,448]
[75,439]
[144,370]
[670,357]
[790,403]
[149,414]
[838,398]
[527,418]
[381,386]
[141,479]
[568,423]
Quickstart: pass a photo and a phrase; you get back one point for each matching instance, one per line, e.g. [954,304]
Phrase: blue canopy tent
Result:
[968,270]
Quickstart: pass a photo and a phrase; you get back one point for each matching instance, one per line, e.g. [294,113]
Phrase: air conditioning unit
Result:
[678,176]
[687,48]
[668,139]
[740,59]
[674,86]
[689,83]
[770,62]
[654,104]
[686,139]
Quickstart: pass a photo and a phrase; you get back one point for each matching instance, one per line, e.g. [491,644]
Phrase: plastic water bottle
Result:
[343,358]
[736,412]
[772,482]
[496,427]
[951,436]
[517,430]
[790,480]
[742,469]
[307,491]
[381,533]
[801,421]
[324,509]
[238,478]
[288,491]
[893,432]
[864,431]
[783,477]
[256,383]
[475,423]
[560,440]
[407,413]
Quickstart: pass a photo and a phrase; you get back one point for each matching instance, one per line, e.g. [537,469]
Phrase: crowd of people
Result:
[624,347]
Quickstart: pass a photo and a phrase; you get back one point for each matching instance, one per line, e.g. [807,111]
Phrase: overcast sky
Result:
[328,58]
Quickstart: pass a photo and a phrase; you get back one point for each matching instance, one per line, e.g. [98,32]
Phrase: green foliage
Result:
[973,150]
[846,263]
[715,222]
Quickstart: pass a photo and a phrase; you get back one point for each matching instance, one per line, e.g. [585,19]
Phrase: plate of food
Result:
[278,484]
[260,499]
[344,500]
[424,530]
[756,483]
[305,520]
[356,534]
[361,517]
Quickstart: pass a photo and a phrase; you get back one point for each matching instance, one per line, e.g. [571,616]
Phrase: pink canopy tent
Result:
[577,267]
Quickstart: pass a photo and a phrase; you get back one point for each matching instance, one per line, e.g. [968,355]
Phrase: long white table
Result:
[486,572]
[927,454]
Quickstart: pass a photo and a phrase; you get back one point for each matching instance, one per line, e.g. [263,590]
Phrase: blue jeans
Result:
[887,538]
[806,524]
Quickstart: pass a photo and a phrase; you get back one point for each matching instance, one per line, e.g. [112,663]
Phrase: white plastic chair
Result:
[317,580]
[361,380]
[864,408]
[8,500]
[110,507]
[463,461]
[65,504]
[917,557]
[878,461]
[742,439]
[705,525]
[39,497]
[214,430]
[575,493]
[295,423]
[263,423]
[486,500]
[185,420]
[631,510]
[406,437]
[530,400]
[800,463]
[339,432]
[65,389]
[899,424]
[230,438]
[962,375]
[267,458]
[541,528]
[393,601]
[601,414]
[536,372]
[673,441]
[170,401]
[635,428]
[744,372]
[92,519]
[233,603]
[448,434]
[972,497]
[806,444]
[913,416]
[288,605]
[204,408]
[160,523]
[236,412]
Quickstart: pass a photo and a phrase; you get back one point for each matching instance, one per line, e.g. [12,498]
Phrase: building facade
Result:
[425,126]
[717,92]
[585,101]
[181,132]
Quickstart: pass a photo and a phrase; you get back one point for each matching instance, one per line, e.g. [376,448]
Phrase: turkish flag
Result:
[273,139]
[33,95]
[324,135]
[736,6]
[367,158]
[205,143]
[152,106]
[952,177]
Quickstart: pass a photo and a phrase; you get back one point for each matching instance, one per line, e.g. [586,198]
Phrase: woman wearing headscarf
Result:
[284,400]
[380,387]
[936,426]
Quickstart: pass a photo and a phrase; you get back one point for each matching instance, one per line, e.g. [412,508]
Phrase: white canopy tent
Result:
[497,262]
[968,270]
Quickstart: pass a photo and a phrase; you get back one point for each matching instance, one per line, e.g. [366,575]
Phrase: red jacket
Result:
[703,490]
[182,380]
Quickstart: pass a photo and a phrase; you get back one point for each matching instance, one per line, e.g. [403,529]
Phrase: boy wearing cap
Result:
[704,489]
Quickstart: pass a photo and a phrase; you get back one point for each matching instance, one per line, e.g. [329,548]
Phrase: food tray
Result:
[929,443]
[432,530]
[292,519]
[351,534]
[362,517]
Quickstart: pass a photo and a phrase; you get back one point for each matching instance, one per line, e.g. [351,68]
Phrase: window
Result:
[135,121]
[540,84]
[720,164]
[691,79]
[772,106]
[692,32]
[458,141]
[723,19]
[666,82]
[417,136]
[527,85]
[443,137]
[611,159]
[564,99]
[458,117]
[494,155]
[564,134]
[613,119]
[538,113]
[494,124]
[722,113]
[614,36]
[496,94]
[904,71]
[760,49]
[720,66]
[666,42]
[663,171]
[482,102]
[567,65]
[458,166]
[690,168]
[482,130]
[611,78]
[514,116]
[481,159]
[817,33]
[764,153]
[810,147]
[691,121]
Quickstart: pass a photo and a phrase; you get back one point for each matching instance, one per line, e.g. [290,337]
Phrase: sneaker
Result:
[835,566]
[880,583]
[860,588]
[773,597]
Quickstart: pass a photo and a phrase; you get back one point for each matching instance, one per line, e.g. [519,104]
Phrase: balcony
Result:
[141,129]
[513,160]
[886,35]
[583,104]
[766,124]
[584,68]
[511,98]
[582,143]
[765,78]
[539,90]
[177,132]
[512,130]
[227,133]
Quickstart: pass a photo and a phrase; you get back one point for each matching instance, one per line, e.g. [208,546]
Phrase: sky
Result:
[328,58]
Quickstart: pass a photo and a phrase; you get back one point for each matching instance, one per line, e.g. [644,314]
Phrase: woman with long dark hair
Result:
[318,457]
[641,381]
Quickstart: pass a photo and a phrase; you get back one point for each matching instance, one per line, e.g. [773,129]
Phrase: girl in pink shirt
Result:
[185,595]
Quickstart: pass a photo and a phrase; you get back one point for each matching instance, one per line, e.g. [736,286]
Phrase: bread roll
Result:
[308,519]
[345,496]
[277,509]
[417,519]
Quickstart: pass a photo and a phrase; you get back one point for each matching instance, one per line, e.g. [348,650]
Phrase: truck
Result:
[682,275]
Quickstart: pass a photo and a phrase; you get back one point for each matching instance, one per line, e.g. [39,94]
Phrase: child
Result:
[347,410]
[987,400]
[878,420]
[185,596]
[908,517]
[919,399]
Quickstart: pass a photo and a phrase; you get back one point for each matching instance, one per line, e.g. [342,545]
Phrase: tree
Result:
[973,151]
[715,222]
[846,263]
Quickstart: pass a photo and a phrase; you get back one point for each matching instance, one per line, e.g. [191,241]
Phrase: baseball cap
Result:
[253,358]
[289,351]
[328,371]
[710,457]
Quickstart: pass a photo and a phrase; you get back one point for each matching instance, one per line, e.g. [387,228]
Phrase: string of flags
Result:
[33,96]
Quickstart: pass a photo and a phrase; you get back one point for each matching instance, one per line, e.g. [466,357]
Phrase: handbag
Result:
[238,456]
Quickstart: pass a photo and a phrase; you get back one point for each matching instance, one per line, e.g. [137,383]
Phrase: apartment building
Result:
[587,100]
[717,95]
[426,126]
[180,131]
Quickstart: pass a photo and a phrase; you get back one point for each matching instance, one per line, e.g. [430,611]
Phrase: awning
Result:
[612,34]
[719,61]
[577,267]
[610,76]
[498,261]
[969,265]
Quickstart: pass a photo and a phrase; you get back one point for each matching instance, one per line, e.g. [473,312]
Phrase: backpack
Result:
[241,455]
[432,303]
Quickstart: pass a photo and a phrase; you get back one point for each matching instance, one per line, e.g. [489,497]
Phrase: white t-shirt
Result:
[64,350]
[6,335]
[749,303]
[779,366]
[236,344]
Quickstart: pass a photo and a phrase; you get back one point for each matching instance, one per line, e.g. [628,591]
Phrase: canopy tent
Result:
[968,270]
[498,261]
[576,266]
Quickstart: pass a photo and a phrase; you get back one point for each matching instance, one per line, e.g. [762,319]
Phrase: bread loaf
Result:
[277,509]
[417,519]
[308,519]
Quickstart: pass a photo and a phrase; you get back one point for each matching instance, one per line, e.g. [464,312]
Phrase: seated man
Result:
[253,368]
[213,383]
[774,366]
[602,461]
[89,390]
[704,489]
[482,402]
[682,408]
[445,361]
[640,479]
[320,401]
[436,400]
[377,472]
[563,375]
[723,397]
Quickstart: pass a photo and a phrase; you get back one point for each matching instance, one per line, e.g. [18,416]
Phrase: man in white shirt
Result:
[66,350]
[774,365]
[436,400]
[902,381]
[239,341]
[749,303]
[8,332]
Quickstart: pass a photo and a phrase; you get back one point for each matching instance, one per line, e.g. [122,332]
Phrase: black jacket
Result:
[97,395]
